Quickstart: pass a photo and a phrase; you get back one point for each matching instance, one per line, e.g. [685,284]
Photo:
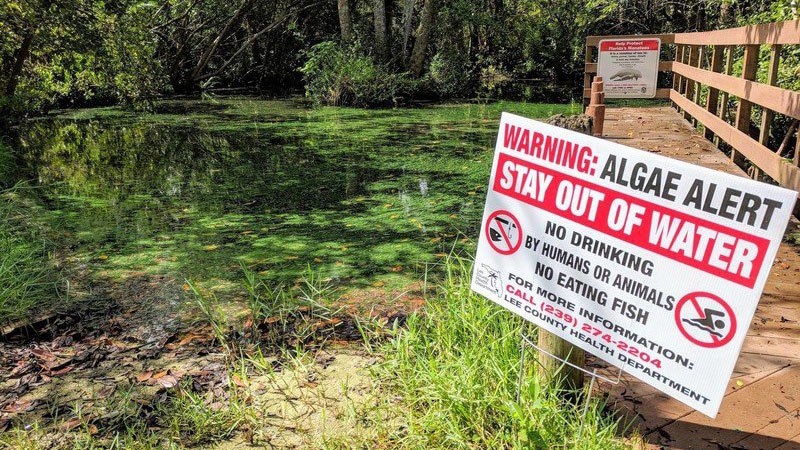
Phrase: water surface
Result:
[364,198]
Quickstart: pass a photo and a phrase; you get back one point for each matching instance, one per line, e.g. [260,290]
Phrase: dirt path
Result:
[761,409]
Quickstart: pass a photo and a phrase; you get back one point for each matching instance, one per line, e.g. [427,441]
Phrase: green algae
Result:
[199,187]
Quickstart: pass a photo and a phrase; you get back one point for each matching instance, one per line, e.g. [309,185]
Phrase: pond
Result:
[368,200]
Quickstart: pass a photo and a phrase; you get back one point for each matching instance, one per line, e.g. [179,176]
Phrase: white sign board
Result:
[629,67]
[653,265]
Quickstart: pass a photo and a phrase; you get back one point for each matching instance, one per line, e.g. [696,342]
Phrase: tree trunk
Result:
[344,21]
[423,35]
[408,21]
[19,62]
[233,21]
[381,47]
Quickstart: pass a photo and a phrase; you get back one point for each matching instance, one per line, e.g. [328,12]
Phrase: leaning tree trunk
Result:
[19,62]
[234,21]
[344,21]
[423,35]
[381,47]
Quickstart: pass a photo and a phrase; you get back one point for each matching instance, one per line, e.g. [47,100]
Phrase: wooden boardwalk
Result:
[761,409]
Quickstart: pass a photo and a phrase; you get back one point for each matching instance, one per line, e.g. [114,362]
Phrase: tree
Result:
[381,38]
[345,23]
[416,64]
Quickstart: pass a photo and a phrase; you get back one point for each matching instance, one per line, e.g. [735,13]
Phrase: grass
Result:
[450,382]
[28,278]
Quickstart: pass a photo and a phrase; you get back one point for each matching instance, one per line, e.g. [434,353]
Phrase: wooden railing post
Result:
[677,80]
[713,93]
[723,112]
[743,113]
[772,80]
[694,51]
[766,113]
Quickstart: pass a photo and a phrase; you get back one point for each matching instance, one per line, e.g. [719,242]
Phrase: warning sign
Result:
[629,67]
[654,265]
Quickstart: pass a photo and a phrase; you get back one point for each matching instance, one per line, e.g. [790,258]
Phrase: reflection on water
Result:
[199,188]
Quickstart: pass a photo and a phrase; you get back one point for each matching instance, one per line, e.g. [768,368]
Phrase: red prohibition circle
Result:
[511,246]
[690,299]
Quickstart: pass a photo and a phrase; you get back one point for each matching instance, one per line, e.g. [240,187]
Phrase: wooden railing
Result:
[704,87]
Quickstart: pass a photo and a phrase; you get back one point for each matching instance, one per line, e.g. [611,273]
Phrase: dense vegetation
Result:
[89,52]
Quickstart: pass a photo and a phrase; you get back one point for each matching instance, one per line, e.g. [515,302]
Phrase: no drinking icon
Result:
[503,232]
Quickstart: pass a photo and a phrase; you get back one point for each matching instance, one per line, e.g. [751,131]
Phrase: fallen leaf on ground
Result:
[70,424]
[144,376]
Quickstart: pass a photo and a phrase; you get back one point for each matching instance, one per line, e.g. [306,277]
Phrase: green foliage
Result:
[83,53]
[454,370]
[341,76]
[450,74]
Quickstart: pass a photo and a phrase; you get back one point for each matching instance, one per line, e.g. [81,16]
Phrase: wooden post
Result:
[676,79]
[694,52]
[766,113]
[796,159]
[597,107]
[587,79]
[743,113]
[713,93]
[548,368]
[772,80]
[701,52]
[723,111]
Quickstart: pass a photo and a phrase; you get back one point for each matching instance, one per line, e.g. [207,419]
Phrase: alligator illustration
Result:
[626,74]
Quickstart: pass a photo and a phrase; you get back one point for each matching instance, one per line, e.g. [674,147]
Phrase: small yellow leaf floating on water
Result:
[104,257]
[210,248]
[317,260]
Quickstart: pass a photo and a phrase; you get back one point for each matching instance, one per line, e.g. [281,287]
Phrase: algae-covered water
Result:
[364,198]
